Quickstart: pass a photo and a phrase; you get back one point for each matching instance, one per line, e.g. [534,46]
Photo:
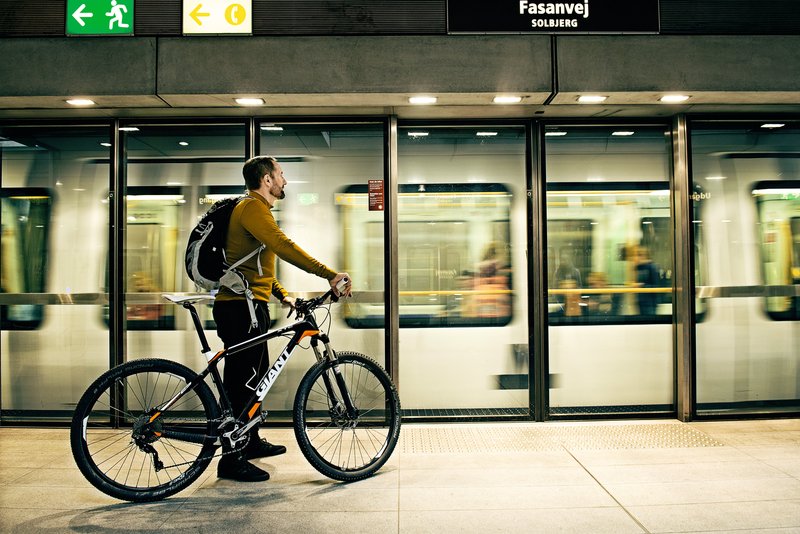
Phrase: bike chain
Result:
[239,449]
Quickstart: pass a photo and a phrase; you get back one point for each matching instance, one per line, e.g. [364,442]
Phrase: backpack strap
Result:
[249,298]
[258,259]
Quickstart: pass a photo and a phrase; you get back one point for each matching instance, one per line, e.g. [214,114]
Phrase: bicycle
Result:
[148,428]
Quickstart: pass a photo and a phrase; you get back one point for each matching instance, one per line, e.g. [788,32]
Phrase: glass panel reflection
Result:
[54,212]
[609,270]
[748,179]
[462,270]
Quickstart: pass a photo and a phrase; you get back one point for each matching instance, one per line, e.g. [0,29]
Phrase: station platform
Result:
[593,477]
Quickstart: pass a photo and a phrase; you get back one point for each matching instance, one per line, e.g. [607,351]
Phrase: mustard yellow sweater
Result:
[252,224]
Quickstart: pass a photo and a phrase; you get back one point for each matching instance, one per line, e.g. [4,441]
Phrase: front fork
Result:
[343,406]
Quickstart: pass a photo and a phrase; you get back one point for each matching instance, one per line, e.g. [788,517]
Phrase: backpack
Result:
[205,259]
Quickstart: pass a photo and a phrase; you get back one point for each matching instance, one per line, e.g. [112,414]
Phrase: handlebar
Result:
[306,307]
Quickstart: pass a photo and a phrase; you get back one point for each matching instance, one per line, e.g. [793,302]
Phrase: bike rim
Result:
[348,444]
[113,451]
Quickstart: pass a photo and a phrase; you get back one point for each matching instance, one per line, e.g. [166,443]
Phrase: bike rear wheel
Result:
[117,442]
[341,446]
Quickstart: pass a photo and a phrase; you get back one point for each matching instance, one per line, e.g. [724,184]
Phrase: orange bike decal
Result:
[155,415]
[217,355]
[253,410]
[308,333]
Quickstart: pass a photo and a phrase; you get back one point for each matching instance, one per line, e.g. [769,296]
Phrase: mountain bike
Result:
[148,428]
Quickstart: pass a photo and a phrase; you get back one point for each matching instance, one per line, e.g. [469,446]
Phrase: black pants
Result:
[233,326]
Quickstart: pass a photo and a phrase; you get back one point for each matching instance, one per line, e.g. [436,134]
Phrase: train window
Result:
[26,226]
[454,254]
[778,205]
[151,254]
[609,253]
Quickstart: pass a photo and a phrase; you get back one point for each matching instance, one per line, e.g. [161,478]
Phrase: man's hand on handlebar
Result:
[290,302]
[342,285]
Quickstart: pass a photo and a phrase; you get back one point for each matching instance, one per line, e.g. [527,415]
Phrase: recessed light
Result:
[673,99]
[422,100]
[250,101]
[773,125]
[80,102]
[715,177]
[417,134]
[591,99]
[103,143]
[507,99]
[128,129]
[272,128]
[183,143]
[486,134]
[622,133]
[555,134]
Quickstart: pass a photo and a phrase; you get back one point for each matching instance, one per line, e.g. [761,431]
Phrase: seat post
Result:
[198,326]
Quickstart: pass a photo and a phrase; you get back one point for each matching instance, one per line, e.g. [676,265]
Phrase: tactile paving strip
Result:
[550,437]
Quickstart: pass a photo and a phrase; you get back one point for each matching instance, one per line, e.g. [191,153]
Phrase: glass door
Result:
[462,270]
[609,269]
[746,178]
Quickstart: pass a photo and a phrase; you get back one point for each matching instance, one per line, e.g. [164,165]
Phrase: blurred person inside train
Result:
[567,277]
[647,276]
[251,225]
[491,283]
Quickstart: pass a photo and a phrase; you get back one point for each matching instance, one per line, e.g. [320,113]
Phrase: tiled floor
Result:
[616,477]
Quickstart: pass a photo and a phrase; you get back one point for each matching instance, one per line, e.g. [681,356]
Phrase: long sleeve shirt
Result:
[251,225]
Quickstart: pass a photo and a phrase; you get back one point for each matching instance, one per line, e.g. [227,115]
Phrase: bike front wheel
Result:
[344,444]
[128,446]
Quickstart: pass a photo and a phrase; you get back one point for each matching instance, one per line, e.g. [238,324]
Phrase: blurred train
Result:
[462,261]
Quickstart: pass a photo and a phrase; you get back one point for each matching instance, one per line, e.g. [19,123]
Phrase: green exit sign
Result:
[99,17]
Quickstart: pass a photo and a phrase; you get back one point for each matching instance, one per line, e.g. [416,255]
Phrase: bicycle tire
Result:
[340,447]
[102,437]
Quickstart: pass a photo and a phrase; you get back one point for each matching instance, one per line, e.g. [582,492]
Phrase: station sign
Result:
[569,16]
[217,17]
[99,17]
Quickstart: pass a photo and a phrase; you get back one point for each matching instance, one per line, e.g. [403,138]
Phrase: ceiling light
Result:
[486,134]
[507,99]
[422,100]
[591,99]
[417,134]
[80,102]
[622,133]
[183,143]
[773,125]
[103,143]
[250,101]
[674,99]
[715,178]
[128,129]
[555,134]
[272,128]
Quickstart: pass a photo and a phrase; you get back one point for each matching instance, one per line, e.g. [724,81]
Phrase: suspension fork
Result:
[330,355]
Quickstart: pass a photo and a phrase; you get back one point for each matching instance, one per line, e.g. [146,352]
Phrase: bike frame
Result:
[306,327]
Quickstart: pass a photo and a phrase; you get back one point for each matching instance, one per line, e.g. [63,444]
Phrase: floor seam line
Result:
[624,508]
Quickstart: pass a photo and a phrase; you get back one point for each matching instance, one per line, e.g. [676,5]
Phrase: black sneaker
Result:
[241,470]
[261,448]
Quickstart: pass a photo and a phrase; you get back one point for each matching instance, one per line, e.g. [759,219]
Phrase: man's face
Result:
[276,182]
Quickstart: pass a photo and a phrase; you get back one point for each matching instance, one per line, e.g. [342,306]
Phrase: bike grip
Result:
[343,282]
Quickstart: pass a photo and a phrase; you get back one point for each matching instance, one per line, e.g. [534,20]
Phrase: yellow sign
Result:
[217,17]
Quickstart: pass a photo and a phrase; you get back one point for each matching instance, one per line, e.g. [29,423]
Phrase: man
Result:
[251,225]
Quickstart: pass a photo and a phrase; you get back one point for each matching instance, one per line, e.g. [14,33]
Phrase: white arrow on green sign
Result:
[99,17]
